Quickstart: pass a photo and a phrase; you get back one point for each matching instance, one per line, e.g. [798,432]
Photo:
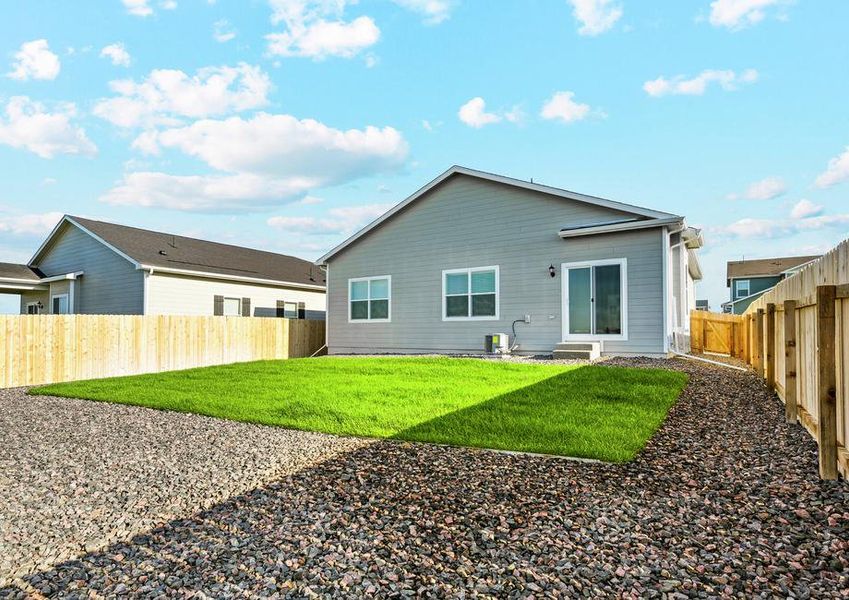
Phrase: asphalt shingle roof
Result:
[16,271]
[166,250]
[765,266]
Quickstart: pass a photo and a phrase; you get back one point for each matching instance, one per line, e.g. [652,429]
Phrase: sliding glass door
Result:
[594,299]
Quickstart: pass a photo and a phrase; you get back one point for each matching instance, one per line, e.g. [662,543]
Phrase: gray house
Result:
[473,254]
[748,280]
[92,267]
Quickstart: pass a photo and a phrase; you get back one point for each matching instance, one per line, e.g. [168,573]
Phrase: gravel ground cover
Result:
[77,475]
[724,501]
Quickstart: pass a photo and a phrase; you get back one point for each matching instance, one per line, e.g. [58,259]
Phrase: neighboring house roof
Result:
[184,255]
[764,267]
[644,213]
[750,297]
[19,272]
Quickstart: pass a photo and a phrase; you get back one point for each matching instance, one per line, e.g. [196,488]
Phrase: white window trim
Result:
[388,318]
[35,304]
[288,303]
[67,299]
[470,270]
[564,295]
[224,305]
[737,293]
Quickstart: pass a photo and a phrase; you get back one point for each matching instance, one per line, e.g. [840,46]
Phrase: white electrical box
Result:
[497,343]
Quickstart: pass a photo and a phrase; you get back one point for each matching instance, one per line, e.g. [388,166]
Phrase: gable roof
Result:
[518,183]
[19,272]
[764,267]
[190,256]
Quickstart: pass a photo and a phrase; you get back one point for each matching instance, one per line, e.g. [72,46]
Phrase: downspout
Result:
[665,247]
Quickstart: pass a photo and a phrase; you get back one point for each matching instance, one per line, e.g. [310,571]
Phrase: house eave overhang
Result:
[630,225]
[238,278]
[458,170]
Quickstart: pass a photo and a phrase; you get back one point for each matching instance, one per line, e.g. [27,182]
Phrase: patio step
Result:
[577,350]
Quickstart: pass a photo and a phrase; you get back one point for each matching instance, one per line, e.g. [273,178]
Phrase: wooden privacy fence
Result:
[38,349]
[718,333]
[800,346]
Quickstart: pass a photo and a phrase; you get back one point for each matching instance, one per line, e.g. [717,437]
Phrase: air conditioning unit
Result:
[497,343]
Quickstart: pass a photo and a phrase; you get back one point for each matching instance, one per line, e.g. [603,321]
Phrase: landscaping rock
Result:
[725,500]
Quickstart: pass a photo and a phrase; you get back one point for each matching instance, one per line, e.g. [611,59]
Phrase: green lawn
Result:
[589,411]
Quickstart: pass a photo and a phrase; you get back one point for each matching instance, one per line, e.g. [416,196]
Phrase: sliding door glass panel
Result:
[580,310]
[608,300]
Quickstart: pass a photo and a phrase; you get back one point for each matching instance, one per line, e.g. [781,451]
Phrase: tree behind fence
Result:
[38,349]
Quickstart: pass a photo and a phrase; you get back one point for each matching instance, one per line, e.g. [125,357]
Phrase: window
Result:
[469,294]
[369,298]
[595,300]
[742,288]
[232,307]
[290,310]
[60,304]
[33,309]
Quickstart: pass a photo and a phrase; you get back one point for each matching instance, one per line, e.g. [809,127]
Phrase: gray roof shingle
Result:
[166,250]
[16,271]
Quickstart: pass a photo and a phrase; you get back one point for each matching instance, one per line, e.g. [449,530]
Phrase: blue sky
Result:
[288,124]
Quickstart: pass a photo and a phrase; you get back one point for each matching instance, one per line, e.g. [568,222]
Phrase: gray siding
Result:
[34,296]
[110,285]
[467,222]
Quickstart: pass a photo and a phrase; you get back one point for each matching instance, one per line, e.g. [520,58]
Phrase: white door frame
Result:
[564,298]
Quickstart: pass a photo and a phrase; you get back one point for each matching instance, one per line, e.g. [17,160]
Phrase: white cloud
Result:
[28,125]
[473,113]
[805,208]
[316,29]
[204,193]
[165,95]
[309,200]
[779,228]
[138,8]
[836,172]
[117,54]
[433,11]
[562,107]
[33,224]
[142,8]
[283,145]
[268,160]
[736,14]
[222,31]
[346,219]
[322,39]
[679,85]
[595,16]
[765,189]
[34,60]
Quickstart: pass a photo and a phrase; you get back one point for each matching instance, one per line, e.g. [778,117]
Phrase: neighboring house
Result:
[472,254]
[748,280]
[703,305]
[93,267]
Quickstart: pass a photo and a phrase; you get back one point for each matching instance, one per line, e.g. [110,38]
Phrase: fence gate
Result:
[716,332]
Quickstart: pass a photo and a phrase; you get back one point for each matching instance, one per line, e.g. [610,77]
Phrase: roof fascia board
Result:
[62,277]
[152,269]
[457,170]
[629,226]
[94,236]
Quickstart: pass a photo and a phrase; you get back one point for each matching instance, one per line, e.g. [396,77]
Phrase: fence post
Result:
[770,345]
[759,341]
[826,382]
[790,411]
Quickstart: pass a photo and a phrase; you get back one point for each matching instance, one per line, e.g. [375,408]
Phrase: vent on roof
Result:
[163,253]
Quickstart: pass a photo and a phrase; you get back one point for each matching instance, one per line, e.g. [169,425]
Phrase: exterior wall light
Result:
[552,271]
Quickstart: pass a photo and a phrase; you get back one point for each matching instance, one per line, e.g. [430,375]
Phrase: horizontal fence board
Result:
[40,349]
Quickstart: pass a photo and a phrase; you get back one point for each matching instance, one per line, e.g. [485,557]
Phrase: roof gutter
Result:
[206,274]
[675,225]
